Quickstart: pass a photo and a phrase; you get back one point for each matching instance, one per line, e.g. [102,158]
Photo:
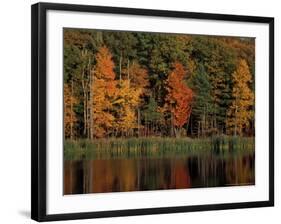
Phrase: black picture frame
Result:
[39,122]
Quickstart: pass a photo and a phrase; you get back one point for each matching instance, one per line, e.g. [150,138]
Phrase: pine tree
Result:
[219,62]
[202,106]
[152,116]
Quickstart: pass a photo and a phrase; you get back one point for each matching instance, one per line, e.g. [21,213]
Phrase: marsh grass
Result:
[155,147]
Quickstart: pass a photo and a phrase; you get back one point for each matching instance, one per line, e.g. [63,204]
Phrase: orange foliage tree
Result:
[178,99]
[103,92]
[138,76]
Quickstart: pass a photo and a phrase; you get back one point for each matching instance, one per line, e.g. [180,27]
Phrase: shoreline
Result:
[156,147]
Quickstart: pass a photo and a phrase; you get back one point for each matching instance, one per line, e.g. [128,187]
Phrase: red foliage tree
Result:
[179,97]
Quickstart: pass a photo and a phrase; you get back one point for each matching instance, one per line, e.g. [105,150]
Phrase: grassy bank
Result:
[154,147]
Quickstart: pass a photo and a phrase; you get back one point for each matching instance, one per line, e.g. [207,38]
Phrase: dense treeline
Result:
[122,84]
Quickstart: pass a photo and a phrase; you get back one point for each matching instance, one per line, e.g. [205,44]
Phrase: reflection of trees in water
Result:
[115,175]
[207,171]
[73,177]
[210,171]
[240,170]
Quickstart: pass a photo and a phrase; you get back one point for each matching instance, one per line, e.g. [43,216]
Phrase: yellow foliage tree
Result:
[240,112]
[126,103]
[138,77]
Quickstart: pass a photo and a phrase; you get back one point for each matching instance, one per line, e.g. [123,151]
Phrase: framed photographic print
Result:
[139,111]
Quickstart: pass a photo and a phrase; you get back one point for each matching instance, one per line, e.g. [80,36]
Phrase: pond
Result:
[140,174]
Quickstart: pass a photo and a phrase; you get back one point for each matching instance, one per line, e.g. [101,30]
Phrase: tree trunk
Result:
[91,105]
[88,111]
[172,125]
[120,67]
[198,129]
[215,119]
[128,70]
[64,115]
[139,120]
[85,106]
[188,120]
[235,123]
[191,125]
[71,111]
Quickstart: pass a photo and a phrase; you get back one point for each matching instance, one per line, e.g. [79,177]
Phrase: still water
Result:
[117,175]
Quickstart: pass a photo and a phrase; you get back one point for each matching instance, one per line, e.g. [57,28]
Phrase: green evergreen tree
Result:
[152,116]
[202,108]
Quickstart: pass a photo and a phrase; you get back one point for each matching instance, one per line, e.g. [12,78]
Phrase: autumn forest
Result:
[122,84]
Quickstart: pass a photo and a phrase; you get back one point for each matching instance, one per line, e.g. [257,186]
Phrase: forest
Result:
[138,84]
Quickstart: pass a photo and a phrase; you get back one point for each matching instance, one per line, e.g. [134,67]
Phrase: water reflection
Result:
[115,175]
